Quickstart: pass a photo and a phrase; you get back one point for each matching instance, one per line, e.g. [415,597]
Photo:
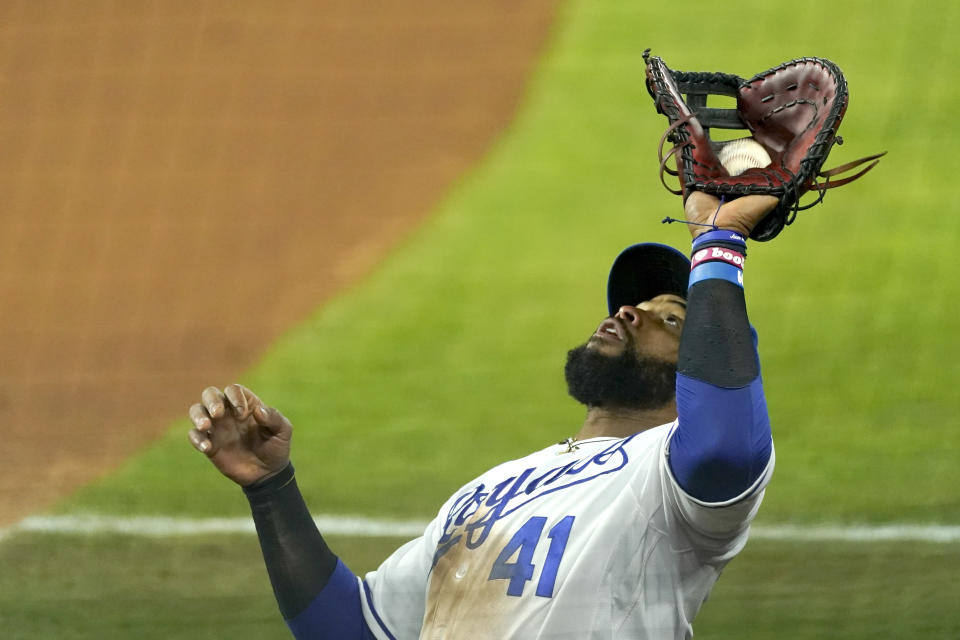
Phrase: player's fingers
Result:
[213,401]
[272,420]
[241,399]
[200,417]
[200,442]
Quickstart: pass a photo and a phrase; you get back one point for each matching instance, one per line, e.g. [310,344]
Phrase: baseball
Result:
[737,156]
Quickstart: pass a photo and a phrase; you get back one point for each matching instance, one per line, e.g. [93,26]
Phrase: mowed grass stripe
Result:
[358,526]
[216,587]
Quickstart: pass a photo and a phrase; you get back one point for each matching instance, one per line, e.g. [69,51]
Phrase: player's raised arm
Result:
[249,442]
[722,444]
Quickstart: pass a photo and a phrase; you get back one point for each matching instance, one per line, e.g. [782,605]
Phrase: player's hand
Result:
[243,438]
[741,214]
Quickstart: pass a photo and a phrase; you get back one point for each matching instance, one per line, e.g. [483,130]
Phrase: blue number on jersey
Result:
[523,543]
[558,543]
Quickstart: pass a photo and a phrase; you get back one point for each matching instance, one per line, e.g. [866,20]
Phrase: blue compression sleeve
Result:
[335,613]
[722,443]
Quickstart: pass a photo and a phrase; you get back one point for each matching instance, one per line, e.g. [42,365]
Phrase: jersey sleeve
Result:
[716,530]
[393,597]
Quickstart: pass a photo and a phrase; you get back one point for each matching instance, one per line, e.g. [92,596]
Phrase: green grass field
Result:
[856,306]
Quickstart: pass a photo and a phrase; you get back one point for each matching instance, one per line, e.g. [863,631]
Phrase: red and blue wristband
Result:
[718,255]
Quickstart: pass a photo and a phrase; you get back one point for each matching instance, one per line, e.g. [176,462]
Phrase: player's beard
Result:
[627,381]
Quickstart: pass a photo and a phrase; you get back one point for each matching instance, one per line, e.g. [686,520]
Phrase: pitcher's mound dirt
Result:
[164,164]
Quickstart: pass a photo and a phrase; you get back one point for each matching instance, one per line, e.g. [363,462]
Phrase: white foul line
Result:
[857,533]
[165,527]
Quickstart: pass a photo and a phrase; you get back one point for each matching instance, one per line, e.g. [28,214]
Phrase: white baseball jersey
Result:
[596,541]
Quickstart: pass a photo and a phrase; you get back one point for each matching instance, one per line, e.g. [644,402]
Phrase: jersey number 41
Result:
[523,543]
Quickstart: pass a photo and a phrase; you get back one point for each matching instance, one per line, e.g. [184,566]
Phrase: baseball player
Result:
[618,531]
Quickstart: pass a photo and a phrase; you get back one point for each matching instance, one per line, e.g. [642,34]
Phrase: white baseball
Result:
[737,156]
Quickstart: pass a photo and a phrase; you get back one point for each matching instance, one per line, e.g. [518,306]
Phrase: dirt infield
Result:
[183,181]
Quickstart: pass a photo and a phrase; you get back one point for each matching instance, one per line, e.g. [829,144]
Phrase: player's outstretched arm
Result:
[722,444]
[249,442]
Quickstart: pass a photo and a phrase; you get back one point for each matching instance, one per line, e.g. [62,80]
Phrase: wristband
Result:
[716,271]
[719,236]
[714,253]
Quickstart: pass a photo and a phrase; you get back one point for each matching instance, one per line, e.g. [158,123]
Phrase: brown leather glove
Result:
[793,111]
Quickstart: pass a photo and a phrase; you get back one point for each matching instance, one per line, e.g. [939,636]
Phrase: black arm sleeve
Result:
[298,559]
[717,345]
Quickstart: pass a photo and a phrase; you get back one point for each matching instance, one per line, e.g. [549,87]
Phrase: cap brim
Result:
[644,271]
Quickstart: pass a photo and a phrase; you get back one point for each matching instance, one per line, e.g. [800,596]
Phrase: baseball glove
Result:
[793,111]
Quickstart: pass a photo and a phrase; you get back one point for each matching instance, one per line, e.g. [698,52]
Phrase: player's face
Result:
[631,359]
[650,329]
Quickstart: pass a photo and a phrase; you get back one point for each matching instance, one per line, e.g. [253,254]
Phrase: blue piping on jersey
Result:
[376,616]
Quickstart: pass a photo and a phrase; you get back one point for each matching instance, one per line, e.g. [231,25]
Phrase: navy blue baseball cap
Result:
[644,271]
